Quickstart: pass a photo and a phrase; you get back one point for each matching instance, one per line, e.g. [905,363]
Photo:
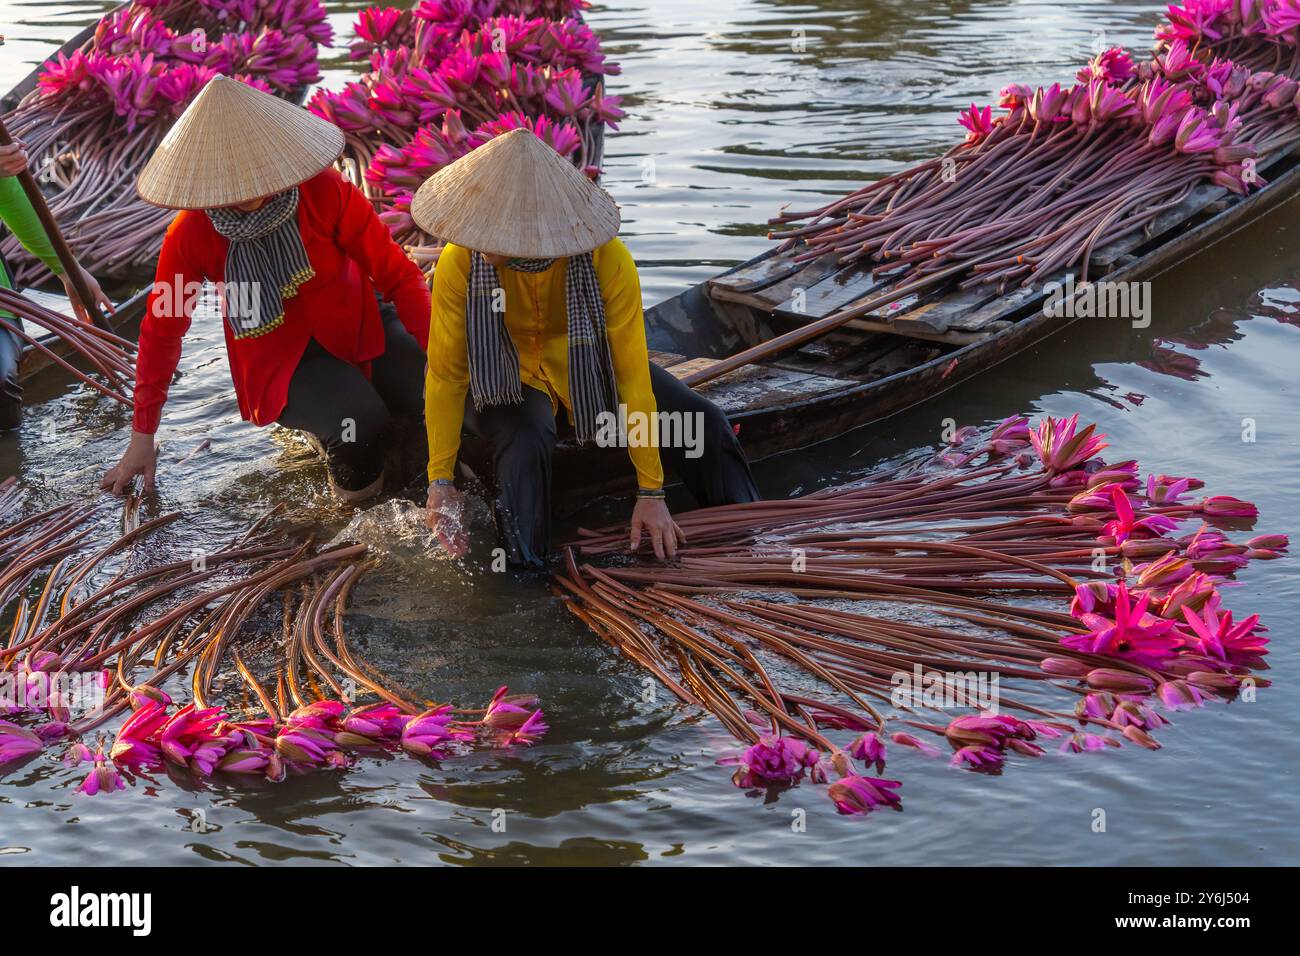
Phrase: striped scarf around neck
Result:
[266,262]
[494,361]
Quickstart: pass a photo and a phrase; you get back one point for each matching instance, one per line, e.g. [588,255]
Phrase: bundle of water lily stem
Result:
[1018,580]
[1065,171]
[100,635]
[106,353]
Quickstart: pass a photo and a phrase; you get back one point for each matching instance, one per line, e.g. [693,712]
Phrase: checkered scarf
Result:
[265,263]
[494,361]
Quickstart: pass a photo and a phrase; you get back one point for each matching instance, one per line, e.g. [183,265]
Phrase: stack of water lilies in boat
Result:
[96,116]
[1064,171]
[107,354]
[1043,594]
[252,632]
[1257,34]
[452,74]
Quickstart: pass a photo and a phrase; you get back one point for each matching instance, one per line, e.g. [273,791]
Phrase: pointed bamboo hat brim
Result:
[516,196]
[234,144]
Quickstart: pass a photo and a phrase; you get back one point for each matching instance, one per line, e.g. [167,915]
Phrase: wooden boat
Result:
[893,358]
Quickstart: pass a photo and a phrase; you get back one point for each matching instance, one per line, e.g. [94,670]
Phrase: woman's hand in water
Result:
[446,518]
[651,514]
[139,458]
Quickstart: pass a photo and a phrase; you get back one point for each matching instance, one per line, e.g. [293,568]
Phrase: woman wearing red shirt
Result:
[299,259]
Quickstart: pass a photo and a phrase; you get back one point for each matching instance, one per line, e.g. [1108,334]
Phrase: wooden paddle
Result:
[806,333]
[66,258]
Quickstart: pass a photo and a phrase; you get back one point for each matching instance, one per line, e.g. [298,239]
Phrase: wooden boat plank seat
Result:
[666,359]
[941,313]
[757,273]
[54,301]
[829,295]
[761,386]
[769,296]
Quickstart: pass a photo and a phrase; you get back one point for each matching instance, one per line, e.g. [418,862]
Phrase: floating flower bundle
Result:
[96,116]
[1012,595]
[452,74]
[96,633]
[1063,171]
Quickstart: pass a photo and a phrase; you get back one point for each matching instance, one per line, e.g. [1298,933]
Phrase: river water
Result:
[735,107]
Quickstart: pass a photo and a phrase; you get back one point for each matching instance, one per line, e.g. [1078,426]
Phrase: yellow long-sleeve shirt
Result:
[537,321]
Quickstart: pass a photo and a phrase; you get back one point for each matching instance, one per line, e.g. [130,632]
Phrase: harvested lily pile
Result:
[96,116]
[450,75]
[108,354]
[1019,581]
[252,632]
[1066,170]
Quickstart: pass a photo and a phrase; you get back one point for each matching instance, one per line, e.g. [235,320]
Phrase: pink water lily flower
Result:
[17,742]
[103,778]
[1060,448]
[508,711]
[1134,634]
[1099,705]
[978,121]
[1217,636]
[429,733]
[1163,490]
[1110,678]
[774,759]
[528,733]
[306,746]
[855,795]
[245,761]
[566,95]
[1107,103]
[1131,713]
[185,730]
[1164,571]
[1194,20]
[1111,66]
[1226,506]
[382,721]
[1080,743]
[1127,524]
[1063,667]
[987,730]
[1277,543]
[1180,695]
[137,738]
[77,754]
[978,757]
[870,749]
[1192,592]
[318,715]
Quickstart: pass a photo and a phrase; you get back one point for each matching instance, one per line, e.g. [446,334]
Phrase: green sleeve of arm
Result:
[17,212]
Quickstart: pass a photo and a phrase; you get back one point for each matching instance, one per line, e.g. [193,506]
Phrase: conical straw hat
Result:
[516,196]
[234,144]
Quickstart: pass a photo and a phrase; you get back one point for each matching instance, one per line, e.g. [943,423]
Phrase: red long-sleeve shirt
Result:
[353,256]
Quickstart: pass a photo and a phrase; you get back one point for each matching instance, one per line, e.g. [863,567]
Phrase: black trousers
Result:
[523,436]
[359,420]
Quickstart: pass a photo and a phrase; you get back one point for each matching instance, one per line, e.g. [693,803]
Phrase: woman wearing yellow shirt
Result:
[537,306]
